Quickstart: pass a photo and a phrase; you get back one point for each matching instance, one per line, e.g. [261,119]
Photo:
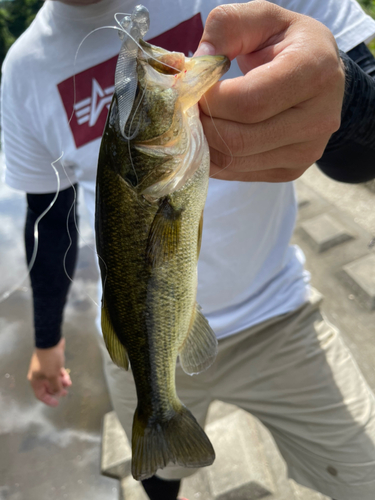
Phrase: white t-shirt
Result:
[345,18]
[247,271]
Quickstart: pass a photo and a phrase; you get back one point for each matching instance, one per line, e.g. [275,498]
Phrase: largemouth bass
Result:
[150,195]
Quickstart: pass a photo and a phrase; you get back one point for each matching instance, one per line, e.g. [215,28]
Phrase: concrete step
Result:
[130,489]
[339,248]
[302,493]
[324,232]
[116,451]
[359,275]
[240,470]
[248,465]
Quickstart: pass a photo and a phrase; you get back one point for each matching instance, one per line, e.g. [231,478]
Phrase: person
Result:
[291,99]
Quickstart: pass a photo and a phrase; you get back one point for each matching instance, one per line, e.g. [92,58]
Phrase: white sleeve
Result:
[27,160]
[345,18]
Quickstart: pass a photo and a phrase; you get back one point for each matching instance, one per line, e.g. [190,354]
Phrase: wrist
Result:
[48,357]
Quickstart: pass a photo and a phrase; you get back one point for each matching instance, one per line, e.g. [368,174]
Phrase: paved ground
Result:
[353,207]
[48,453]
[55,453]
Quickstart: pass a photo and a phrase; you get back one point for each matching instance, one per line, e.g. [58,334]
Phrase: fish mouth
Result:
[171,63]
[163,61]
[191,77]
[199,75]
[208,69]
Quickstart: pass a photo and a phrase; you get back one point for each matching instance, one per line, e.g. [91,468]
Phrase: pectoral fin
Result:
[199,349]
[164,233]
[116,350]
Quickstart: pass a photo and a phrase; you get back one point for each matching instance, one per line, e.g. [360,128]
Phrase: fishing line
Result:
[4,296]
[218,133]
[73,206]
[135,133]
[9,292]
[137,43]
[121,29]
[230,152]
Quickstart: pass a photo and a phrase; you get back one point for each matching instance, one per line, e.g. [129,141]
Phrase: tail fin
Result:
[179,440]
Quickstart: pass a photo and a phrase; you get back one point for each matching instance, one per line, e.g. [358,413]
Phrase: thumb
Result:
[237,29]
[65,378]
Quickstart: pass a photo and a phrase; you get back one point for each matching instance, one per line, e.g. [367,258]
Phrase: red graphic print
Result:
[94,87]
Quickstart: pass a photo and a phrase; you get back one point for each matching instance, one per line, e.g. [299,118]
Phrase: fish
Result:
[151,187]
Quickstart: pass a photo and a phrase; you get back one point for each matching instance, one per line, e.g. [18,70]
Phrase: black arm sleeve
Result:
[350,153]
[49,282]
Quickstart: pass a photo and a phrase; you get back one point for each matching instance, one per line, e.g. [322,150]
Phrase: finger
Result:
[54,385]
[272,175]
[43,395]
[49,400]
[269,90]
[291,157]
[65,378]
[263,21]
[285,69]
[290,127]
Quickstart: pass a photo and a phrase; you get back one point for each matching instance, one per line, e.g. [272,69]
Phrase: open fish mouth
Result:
[193,76]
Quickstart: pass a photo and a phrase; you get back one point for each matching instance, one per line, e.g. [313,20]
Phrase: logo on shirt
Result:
[87,95]
[89,110]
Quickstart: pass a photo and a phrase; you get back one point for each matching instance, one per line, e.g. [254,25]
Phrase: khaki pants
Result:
[295,374]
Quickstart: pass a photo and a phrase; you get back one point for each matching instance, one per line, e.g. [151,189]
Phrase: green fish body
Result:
[150,197]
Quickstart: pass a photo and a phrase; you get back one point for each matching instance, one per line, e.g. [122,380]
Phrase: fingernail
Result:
[205,49]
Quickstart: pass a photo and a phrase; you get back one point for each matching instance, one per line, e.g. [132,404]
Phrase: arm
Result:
[350,153]
[50,286]
[28,160]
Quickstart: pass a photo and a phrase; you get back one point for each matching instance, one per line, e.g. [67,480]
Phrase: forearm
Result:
[49,281]
[350,153]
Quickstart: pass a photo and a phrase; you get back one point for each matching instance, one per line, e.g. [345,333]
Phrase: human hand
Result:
[277,118]
[47,375]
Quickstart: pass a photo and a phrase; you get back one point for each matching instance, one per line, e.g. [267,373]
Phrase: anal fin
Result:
[199,349]
[116,350]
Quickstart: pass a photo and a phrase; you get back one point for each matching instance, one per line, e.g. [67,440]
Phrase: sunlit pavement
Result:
[346,304]
[48,453]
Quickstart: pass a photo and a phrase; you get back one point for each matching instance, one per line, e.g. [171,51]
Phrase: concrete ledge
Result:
[240,470]
[371,185]
[116,452]
[360,277]
[130,489]
[303,195]
[302,493]
[247,465]
[323,232]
